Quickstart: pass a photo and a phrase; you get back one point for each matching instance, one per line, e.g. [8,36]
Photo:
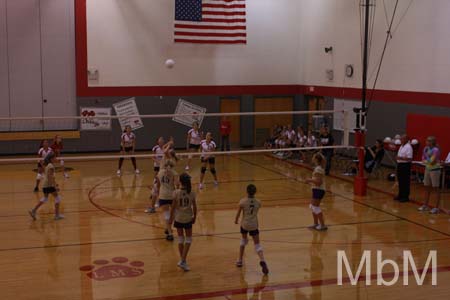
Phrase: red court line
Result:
[283,286]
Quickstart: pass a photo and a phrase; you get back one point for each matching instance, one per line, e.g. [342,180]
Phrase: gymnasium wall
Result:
[285,46]
[416,58]
[97,141]
[132,49]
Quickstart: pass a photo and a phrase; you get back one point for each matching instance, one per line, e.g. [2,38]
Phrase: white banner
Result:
[128,108]
[90,122]
[185,107]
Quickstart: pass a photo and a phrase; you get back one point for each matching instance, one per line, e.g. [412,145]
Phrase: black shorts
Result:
[49,190]
[318,194]
[156,169]
[127,149]
[163,202]
[182,225]
[211,160]
[251,232]
[194,146]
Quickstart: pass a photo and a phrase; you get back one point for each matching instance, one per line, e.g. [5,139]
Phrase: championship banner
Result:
[128,108]
[185,107]
[89,120]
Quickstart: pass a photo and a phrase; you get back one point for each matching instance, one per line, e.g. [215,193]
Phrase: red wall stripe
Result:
[83,90]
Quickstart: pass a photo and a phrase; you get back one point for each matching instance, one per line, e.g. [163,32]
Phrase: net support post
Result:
[346,128]
[360,183]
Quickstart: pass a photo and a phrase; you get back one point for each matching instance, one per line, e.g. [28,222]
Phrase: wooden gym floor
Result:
[106,229]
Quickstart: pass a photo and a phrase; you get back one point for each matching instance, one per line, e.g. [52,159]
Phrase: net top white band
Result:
[179,154]
[309,112]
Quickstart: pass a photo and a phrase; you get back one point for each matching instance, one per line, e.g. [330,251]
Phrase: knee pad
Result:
[57,199]
[244,242]
[189,240]
[213,171]
[258,248]
[203,170]
[61,162]
[180,239]
[44,199]
[316,209]
[190,156]
[167,215]
[39,176]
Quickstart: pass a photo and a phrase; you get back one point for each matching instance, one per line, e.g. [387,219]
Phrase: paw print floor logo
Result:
[119,267]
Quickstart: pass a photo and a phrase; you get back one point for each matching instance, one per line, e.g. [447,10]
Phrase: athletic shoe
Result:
[137,172]
[119,173]
[239,264]
[313,226]
[180,264]
[186,267]
[183,265]
[263,265]
[66,175]
[434,211]
[200,186]
[187,168]
[321,228]
[169,237]
[32,214]
[59,217]
[150,210]
[36,189]
[423,208]
[216,183]
[166,232]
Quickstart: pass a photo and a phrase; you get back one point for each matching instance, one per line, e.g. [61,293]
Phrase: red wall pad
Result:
[422,126]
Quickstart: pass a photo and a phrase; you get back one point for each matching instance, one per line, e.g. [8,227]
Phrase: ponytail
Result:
[188,186]
[185,180]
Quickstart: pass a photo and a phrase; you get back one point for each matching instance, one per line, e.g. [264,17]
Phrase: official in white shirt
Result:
[404,159]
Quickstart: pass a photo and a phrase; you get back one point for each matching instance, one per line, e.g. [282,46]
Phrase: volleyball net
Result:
[96,134]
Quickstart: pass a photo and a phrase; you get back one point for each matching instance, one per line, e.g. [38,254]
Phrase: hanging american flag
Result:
[210,22]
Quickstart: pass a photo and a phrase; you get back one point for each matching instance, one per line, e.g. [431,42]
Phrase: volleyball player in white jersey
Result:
[44,150]
[318,192]
[49,187]
[158,150]
[127,146]
[208,145]
[249,207]
[184,213]
[167,181]
[194,139]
